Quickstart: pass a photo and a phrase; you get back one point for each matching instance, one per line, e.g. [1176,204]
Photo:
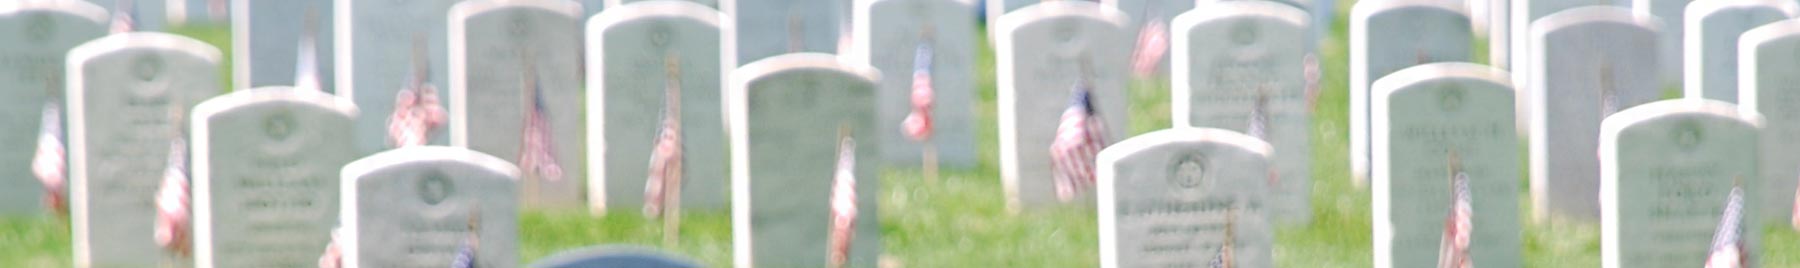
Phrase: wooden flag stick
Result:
[930,163]
[672,184]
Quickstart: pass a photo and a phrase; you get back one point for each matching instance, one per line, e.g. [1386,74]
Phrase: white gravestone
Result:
[766,28]
[1524,14]
[1711,46]
[714,4]
[490,44]
[1386,36]
[374,59]
[1434,122]
[266,165]
[123,91]
[265,40]
[418,206]
[1253,80]
[1499,33]
[1770,85]
[1590,62]
[628,52]
[1176,197]
[1041,56]
[1668,12]
[1667,169]
[891,32]
[787,113]
[34,38]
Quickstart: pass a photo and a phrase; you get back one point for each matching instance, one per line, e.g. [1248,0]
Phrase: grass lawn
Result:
[961,220]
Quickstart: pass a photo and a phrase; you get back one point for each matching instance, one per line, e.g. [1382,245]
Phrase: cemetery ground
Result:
[961,220]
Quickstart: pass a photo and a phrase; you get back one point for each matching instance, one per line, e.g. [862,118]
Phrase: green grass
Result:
[961,220]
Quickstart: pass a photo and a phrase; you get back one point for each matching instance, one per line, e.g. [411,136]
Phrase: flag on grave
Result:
[1152,44]
[1453,248]
[536,156]
[333,256]
[918,124]
[1728,243]
[465,254]
[124,17]
[48,164]
[843,201]
[1224,258]
[172,201]
[665,156]
[1079,138]
[416,108]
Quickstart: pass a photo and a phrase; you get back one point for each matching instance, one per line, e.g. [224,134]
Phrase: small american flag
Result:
[1152,43]
[172,201]
[333,257]
[1453,249]
[1728,244]
[918,124]
[537,153]
[1225,258]
[665,157]
[123,20]
[465,255]
[416,108]
[1079,138]
[1259,117]
[843,202]
[48,163]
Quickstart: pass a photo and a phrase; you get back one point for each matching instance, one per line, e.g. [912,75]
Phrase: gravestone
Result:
[891,31]
[266,165]
[1142,12]
[629,49]
[1253,81]
[766,28]
[491,42]
[714,4]
[1712,43]
[123,90]
[787,115]
[148,15]
[1433,123]
[1386,36]
[1176,197]
[1524,14]
[378,39]
[418,206]
[1769,85]
[1044,51]
[1589,62]
[615,257]
[1668,168]
[1669,13]
[34,38]
[266,37]
[1500,33]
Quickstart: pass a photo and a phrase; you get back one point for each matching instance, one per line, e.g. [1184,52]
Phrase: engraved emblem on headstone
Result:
[1244,33]
[147,67]
[1688,135]
[1451,99]
[1068,39]
[1189,172]
[279,126]
[518,26]
[148,70]
[661,36]
[434,187]
[39,28]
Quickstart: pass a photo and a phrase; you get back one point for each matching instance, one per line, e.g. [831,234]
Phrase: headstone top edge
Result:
[1784,29]
[1011,21]
[148,40]
[1617,123]
[647,9]
[1242,9]
[962,3]
[387,159]
[1365,9]
[1405,79]
[741,78]
[85,9]
[472,8]
[1136,144]
[1591,14]
[273,94]
[1700,9]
